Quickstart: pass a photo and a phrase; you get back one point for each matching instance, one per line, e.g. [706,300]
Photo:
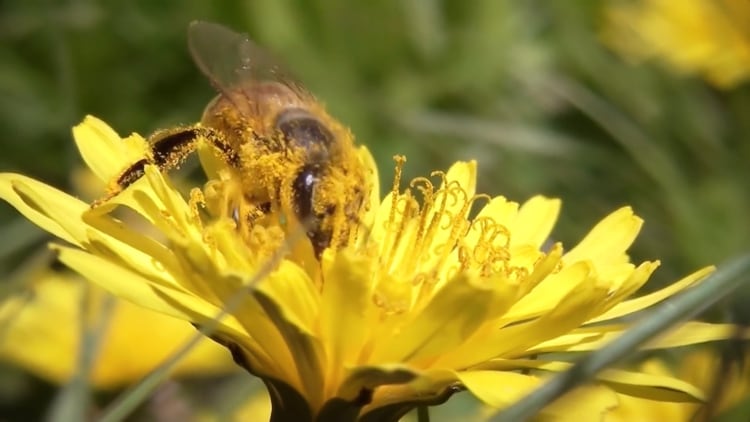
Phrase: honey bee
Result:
[287,156]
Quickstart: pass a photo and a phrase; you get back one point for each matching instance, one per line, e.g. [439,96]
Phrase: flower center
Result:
[429,237]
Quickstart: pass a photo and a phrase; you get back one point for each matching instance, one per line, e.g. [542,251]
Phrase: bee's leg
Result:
[169,149]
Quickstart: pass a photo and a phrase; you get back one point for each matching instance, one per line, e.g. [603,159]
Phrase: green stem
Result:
[423,414]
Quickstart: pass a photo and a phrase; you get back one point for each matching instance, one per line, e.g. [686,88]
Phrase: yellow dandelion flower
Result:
[700,368]
[423,298]
[705,37]
[41,332]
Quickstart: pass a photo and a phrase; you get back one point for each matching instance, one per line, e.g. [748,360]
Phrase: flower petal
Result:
[501,389]
[501,210]
[52,210]
[498,388]
[306,351]
[104,152]
[637,384]
[372,180]
[572,311]
[43,334]
[549,292]
[634,305]
[345,298]
[133,287]
[465,174]
[594,338]
[452,315]
[534,222]
[607,242]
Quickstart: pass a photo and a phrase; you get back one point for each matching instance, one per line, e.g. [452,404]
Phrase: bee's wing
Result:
[232,61]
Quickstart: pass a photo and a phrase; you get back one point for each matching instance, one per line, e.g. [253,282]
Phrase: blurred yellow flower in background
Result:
[41,331]
[424,299]
[705,37]
[702,368]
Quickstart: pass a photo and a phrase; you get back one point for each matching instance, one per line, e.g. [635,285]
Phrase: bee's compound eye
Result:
[304,129]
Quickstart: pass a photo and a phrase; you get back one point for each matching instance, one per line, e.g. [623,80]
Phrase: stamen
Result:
[197,202]
[388,248]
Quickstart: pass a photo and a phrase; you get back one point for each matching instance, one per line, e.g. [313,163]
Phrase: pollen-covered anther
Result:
[197,202]
[265,241]
[489,253]
[392,298]
[216,198]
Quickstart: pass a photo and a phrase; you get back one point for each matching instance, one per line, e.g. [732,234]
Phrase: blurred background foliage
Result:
[549,97]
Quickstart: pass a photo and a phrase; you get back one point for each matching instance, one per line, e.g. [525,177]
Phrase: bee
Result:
[287,156]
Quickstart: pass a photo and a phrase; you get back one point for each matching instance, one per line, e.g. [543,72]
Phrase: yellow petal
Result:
[306,351]
[607,242]
[625,284]
[594,338]
[52,210]
[104,152]
[572,339]
[696,333]
[345,298]
[643,302]
[133,287]
[500,210]
[542,269]
[293,290]
[572,311]
[381,221]
[653,387]
[45,336]
[141,253]
[154,198]
[373,180]
[451,316]
[637,384]
[498,388]
[465,173]
[585,403]
[535,221]
[549,292]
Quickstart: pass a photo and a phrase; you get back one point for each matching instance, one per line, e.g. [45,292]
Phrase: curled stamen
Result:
[449,218]
[395,227]
[500,230]
[482,224]
[438,208]
[400,160]
[489,230]
[425,187]
[458,194]
[518,273]
[421,183]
